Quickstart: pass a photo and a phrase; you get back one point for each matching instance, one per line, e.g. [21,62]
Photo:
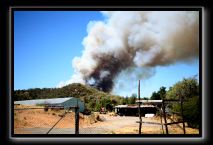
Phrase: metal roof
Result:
[120,106]
[43,101]
[133,106]
[150,101]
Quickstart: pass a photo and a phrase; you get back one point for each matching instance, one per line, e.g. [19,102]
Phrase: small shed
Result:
[66,102]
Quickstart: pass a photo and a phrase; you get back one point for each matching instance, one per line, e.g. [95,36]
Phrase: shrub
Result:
[191,112]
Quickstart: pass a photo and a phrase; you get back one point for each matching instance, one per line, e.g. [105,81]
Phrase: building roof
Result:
[133,106]
[43,101]
[121,106]
[150,101]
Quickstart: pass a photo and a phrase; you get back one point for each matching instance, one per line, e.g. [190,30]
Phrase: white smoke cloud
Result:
[135,39]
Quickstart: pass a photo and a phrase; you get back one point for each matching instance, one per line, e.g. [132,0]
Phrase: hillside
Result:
[93,98]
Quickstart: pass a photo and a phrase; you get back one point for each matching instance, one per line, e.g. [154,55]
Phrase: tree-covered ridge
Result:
[94,99]
[72,90]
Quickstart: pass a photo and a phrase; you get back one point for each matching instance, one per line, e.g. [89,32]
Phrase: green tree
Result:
[155,96]
[124,101]
[127,100]
[91,105]
[109,105]
[114,102]
[145,98]
[188,89]
[132,99]
[191,112]
[97,106]
[162,92]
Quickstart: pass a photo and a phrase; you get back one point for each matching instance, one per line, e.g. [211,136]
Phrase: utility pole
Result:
[139,108]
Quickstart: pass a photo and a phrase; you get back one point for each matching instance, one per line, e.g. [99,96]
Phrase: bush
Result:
[188,89]
[191,112]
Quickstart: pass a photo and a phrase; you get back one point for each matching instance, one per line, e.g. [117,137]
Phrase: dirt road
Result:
[108,125]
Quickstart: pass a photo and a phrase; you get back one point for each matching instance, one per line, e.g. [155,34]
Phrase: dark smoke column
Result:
[135,39]
[107,70]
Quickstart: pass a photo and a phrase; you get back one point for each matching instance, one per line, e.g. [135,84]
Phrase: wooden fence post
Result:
[164,114]
[181,103]
[77,119]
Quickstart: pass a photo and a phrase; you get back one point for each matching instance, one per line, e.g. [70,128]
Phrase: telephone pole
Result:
[139,108]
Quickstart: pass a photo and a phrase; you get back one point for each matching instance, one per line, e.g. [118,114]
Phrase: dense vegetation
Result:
[159,95]
[74,90]
[188,90]
[93,98]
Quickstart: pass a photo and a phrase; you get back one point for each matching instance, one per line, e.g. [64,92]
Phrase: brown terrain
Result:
[27,121]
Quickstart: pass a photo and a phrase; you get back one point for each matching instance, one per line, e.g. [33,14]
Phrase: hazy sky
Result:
[45,44]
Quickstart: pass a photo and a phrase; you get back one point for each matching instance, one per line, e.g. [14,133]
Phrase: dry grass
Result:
[39,118]
[172,129]
[154,130]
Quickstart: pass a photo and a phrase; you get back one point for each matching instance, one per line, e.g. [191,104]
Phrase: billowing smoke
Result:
[127,39]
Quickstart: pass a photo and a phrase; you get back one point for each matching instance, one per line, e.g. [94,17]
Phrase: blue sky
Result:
[46,42]
[44,45]
[163,76]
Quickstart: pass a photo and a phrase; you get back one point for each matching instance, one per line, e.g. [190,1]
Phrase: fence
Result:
[164,113]
[54,120]
[167,116]
[43,120]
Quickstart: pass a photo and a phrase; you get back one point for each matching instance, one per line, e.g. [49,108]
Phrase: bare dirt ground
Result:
[128,125]
[37,121]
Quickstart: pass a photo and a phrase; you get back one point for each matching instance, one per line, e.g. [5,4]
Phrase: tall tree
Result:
[132,99]
[187,88]
[155,96]
[162,92]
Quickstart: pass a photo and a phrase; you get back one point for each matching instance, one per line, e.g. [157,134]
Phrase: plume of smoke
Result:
[131,75]
[135,39]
